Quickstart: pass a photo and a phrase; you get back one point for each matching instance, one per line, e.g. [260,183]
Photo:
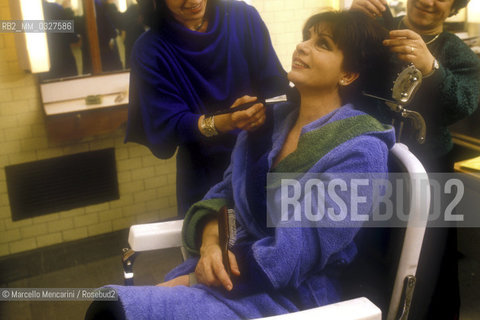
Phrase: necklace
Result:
[199,26]
[401,23]
[434,38]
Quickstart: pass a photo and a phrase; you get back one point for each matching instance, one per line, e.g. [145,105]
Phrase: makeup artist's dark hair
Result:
[457,6]
[154,12]
[360,40]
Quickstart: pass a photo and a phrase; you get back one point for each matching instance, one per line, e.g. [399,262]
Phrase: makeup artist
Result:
[449,92]
[451,71]
[199,56]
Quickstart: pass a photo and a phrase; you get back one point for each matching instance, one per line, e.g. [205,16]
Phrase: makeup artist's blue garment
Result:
[178,74]
[282,269]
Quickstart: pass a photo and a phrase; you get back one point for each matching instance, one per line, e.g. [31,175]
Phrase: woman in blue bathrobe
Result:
[276,270]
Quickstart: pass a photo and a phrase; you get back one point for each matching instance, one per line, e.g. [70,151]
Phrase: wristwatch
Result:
[435,67]
[207,126]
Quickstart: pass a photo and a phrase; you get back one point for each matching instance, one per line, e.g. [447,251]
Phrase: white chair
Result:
[163,235]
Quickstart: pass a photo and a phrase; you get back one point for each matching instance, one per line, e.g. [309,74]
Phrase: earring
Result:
[342,82]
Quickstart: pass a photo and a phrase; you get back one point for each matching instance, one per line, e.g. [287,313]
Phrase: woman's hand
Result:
[410,47]
[249,119]
[371,8]
[210,269]
[178,281]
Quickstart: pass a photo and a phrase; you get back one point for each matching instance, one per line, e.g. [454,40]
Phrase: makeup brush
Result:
[247,105]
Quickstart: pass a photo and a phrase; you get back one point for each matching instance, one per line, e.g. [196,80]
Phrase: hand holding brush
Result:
[216,266]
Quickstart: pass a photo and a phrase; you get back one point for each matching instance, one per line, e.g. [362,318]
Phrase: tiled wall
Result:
[147,184]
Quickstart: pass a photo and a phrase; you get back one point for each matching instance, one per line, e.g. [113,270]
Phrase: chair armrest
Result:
[355,309]
[152,236]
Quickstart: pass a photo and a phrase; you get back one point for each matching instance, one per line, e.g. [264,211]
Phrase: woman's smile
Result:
[423,10]
[190,13]
[194,9]
[299,64]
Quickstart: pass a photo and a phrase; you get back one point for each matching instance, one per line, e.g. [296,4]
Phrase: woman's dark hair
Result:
[154,12]
[360,40]
[457,6]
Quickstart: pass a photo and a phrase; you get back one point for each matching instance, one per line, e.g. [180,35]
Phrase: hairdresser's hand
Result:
[210,269]
[178,281]
[372,8]
[249,119]
[410,47]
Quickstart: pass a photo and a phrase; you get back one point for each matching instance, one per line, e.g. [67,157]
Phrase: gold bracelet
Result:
[207,126]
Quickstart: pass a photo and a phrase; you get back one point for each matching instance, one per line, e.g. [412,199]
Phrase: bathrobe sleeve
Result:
[220,195]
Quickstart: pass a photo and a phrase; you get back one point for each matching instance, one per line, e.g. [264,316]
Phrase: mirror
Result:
[105,31]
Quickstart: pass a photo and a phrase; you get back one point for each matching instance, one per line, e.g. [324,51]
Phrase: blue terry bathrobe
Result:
[282,269]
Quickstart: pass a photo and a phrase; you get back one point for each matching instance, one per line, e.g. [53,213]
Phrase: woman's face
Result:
[427,16]
[317,62]
[185,11]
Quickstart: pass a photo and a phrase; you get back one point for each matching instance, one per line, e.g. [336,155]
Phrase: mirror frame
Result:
[92,35]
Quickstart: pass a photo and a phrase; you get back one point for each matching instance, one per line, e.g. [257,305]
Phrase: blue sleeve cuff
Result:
[188,128]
